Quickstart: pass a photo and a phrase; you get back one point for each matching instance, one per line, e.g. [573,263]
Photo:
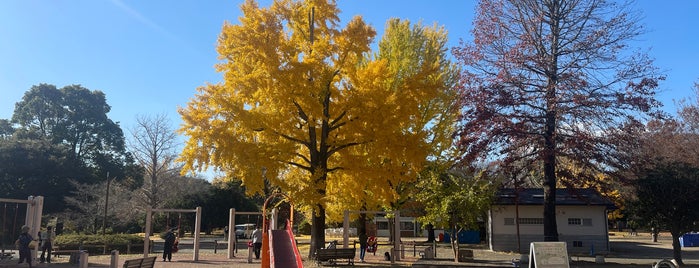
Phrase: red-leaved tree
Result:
[548,80]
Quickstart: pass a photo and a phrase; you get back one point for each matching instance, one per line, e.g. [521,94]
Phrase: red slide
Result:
[283,251]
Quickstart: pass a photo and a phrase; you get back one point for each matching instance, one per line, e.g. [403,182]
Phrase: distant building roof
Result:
[564,197]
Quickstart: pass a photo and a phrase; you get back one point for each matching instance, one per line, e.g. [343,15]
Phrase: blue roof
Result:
[564,197]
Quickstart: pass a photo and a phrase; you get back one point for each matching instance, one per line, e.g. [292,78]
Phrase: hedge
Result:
[94,244]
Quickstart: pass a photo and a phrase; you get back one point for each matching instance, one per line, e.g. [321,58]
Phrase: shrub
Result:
[94,244]
[304,228]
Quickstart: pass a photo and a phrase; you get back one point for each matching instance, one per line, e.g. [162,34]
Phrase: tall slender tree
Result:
[153,144]
[550,80]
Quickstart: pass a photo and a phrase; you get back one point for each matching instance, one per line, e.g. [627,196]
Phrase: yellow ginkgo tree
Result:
[306,106]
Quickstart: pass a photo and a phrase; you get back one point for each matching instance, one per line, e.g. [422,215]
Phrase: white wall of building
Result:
[583,228]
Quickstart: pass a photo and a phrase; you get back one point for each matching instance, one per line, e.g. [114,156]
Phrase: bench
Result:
[147,262]
[6,255]
[59,252]
[332,254]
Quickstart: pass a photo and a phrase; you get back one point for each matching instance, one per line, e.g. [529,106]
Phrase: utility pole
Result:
[106,206]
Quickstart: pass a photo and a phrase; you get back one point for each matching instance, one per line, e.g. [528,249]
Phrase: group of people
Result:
[26,242]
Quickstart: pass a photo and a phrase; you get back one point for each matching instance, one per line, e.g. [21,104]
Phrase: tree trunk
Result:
[455,242]
[550,226]
[361,230]
[454,245]
[391,228]
[430,233]
[317,231]
[549,135]
[676,248]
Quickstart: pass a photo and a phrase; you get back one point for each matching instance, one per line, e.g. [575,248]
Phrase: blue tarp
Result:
[689,240]
[465,237]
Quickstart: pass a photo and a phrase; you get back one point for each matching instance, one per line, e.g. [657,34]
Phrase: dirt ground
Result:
[627,252]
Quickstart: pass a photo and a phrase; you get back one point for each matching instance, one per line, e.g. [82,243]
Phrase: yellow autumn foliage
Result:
[594,179]
[308,107]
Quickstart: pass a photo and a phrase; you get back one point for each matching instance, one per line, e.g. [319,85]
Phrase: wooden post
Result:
[197,231]
[146,242]
[345,230]
[231,234]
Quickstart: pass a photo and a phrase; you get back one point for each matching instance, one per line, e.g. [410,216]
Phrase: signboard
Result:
[548,255]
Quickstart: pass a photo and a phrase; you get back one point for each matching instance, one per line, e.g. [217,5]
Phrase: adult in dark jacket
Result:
[170,239]
[23,242]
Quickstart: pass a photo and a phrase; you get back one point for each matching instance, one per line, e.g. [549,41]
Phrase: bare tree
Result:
[552,80]
[87,206]
[153,143]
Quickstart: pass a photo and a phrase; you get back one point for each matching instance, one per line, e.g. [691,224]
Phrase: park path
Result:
[627,252]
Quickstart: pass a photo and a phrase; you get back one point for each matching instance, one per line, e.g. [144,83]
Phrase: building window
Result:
[382,225]
[525,221]
[577,244]
[574,221]
[531,221]
[579,221]
[407,226]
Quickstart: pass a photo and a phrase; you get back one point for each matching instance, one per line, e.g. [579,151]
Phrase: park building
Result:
[581,217]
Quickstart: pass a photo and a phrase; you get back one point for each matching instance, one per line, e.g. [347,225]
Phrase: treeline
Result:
[61,144]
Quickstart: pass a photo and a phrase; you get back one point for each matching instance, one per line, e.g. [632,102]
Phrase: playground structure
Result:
[197,228]
[396,231]
[231,233]
[35,205]
[279,246]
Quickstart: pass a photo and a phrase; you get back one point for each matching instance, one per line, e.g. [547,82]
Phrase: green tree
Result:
[305,107]
[550,80]
[217,200]
[667,197]
[454,199]
[40,109]
[38,167]
[59,135]
[6,129]
[72,115]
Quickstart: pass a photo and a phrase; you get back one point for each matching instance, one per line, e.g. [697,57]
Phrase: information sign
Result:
[548,255]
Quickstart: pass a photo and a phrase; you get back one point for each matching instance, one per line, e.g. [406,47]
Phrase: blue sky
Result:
[148,57]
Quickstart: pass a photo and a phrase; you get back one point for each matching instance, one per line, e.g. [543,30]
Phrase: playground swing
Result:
[237,231]
[34,205]
[197,227]
[3,238]
[372,241]
[169,226]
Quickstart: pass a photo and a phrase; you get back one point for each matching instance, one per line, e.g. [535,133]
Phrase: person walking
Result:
[47,244]
[170,239]
[363,243]
[257,242]
[23,245]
